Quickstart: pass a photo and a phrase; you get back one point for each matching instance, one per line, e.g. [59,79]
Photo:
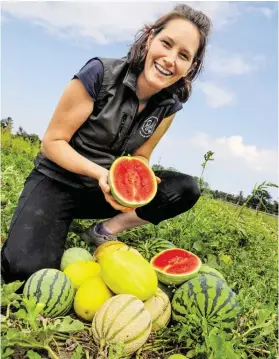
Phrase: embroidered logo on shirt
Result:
[148,126]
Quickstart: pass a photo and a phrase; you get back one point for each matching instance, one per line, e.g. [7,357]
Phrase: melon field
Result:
[240,244]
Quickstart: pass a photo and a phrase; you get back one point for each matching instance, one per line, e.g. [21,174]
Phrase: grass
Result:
[243,248]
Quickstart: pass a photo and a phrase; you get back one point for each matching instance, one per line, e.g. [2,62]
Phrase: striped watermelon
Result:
[207,270]
[122,318]
[153,246]
[53,288]
[208,297]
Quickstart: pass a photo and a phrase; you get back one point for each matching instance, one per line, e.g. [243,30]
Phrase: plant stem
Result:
[51,352]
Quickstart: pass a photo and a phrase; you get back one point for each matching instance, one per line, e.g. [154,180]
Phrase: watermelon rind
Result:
[117,196]
[207,270]
[153,246]
[53,288]
[207,297]
[175,279]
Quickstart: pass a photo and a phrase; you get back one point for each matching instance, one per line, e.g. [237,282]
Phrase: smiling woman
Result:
[110,108]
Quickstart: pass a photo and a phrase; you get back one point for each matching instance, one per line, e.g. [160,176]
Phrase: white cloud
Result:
[222,63]
[236,166]
[264,10]
[234,148]
[107,22]
[215,95]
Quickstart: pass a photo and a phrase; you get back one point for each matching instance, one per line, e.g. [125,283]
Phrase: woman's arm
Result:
[147,148]
[74,107]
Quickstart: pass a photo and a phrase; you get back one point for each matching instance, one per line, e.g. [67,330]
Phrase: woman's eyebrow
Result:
[183,49]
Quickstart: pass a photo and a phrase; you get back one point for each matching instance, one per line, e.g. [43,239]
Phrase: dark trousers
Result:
[46,209]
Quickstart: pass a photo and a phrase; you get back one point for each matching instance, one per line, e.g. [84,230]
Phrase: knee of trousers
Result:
[16,266]
[189,192]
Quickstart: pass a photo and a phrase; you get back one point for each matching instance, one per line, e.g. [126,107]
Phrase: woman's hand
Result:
[103,183]
[158,180]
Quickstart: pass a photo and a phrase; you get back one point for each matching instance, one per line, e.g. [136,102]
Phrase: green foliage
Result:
[242,247]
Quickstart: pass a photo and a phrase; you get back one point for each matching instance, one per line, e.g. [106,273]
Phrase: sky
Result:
[233,110]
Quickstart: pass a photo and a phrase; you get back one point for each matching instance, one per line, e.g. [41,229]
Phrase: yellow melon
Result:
[125,272]
[111,246]
[90,296]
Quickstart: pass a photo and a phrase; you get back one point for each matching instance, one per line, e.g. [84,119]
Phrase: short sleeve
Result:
[91,75]
[173,109]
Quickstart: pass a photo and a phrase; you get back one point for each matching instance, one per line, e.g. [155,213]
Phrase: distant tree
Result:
[7,123]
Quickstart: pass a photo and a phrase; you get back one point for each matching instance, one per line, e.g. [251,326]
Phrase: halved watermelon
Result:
[176,265]
[132,182]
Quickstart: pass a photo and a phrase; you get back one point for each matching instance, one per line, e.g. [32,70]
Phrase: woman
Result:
[112,107]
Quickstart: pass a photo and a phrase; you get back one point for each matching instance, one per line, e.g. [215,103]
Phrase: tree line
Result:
[259,199]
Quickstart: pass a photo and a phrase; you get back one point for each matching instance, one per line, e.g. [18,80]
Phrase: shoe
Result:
[92,237]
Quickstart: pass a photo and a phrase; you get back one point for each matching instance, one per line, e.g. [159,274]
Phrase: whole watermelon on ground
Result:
[153,246]
[132,182]
[207,270]
[208,297]
[53,288]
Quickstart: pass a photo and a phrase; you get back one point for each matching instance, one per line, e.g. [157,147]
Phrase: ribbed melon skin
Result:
[207,297]
[53,288]
[153,246]
[122,318]
[159,307]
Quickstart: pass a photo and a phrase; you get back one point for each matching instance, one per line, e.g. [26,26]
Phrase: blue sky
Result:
[234,107]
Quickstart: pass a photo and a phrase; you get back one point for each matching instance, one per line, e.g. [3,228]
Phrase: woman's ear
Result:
[191,68]
[148,42]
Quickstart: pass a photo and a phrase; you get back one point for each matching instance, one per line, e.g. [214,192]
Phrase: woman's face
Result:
[171,53]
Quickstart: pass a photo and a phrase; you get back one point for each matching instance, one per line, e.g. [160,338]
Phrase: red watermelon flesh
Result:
[175,265]
[132,181]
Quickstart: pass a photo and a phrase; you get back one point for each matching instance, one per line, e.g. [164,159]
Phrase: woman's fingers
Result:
[158,179]
[117,205]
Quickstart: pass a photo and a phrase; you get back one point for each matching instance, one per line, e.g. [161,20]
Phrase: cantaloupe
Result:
[122,319]
[159,307]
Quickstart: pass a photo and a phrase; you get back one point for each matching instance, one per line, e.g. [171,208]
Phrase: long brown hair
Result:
[137,53]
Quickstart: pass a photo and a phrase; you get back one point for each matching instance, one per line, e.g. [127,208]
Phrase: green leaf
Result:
[68,325]
[222,349]
[6,353]
[33,355]
[199,246]
[8,292]
[77,353]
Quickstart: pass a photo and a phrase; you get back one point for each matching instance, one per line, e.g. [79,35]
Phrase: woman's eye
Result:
[166,42]
[184,56]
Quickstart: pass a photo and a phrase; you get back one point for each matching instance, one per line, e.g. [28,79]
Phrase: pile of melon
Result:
[125,296]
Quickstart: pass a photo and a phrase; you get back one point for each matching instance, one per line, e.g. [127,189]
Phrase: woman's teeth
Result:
[162,70]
